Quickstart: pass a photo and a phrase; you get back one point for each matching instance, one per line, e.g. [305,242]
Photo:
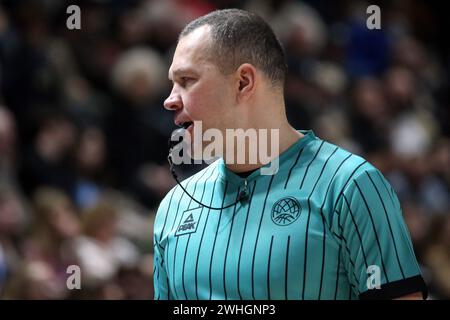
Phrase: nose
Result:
[173,102]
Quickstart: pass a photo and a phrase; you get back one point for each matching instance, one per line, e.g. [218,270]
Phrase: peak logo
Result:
[189,222]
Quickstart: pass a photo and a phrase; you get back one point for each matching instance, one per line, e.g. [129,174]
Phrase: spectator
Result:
[101,251]
[47,251]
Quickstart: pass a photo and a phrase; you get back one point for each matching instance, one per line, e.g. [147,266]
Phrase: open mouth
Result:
[186,124]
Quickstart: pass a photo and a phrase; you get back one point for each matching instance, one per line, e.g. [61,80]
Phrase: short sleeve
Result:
[160,280]
[379,256]
[160,277]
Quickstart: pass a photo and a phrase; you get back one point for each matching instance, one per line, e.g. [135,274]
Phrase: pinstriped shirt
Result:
[327,225]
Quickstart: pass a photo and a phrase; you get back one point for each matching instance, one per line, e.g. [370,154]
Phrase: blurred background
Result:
[83,132]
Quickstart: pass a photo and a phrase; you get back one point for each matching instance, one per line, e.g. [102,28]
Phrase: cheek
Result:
[201,104]
[209,103]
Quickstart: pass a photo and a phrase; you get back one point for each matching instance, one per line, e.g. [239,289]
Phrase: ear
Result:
[246,76]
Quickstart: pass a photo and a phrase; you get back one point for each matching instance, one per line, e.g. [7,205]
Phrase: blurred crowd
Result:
[83,134]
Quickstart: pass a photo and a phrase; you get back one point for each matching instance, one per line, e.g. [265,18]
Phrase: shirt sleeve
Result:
[379,256]
[160,277]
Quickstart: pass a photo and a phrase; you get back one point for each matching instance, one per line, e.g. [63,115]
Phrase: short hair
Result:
[239,37]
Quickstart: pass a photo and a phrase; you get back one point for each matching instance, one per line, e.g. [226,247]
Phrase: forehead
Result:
[192,51]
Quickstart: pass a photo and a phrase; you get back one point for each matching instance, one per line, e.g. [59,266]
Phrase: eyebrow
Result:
[181,71]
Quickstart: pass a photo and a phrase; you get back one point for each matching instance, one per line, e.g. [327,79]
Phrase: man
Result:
[326,225]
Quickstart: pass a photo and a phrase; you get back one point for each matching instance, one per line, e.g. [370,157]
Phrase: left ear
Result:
[246,76]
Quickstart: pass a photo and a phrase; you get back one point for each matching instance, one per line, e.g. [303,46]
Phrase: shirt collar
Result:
[290,152]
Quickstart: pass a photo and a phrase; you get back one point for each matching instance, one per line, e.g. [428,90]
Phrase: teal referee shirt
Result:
[327,225]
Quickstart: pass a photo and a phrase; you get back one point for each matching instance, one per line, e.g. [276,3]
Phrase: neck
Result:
[277,140]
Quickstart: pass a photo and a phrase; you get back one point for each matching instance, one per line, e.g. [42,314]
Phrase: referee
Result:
[327,225]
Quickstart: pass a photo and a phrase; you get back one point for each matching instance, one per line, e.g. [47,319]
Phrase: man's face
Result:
[200,91]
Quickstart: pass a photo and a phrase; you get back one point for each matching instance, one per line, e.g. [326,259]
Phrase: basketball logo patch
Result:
[285,211]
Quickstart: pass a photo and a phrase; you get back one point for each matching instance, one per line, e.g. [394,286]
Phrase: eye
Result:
[186,81]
